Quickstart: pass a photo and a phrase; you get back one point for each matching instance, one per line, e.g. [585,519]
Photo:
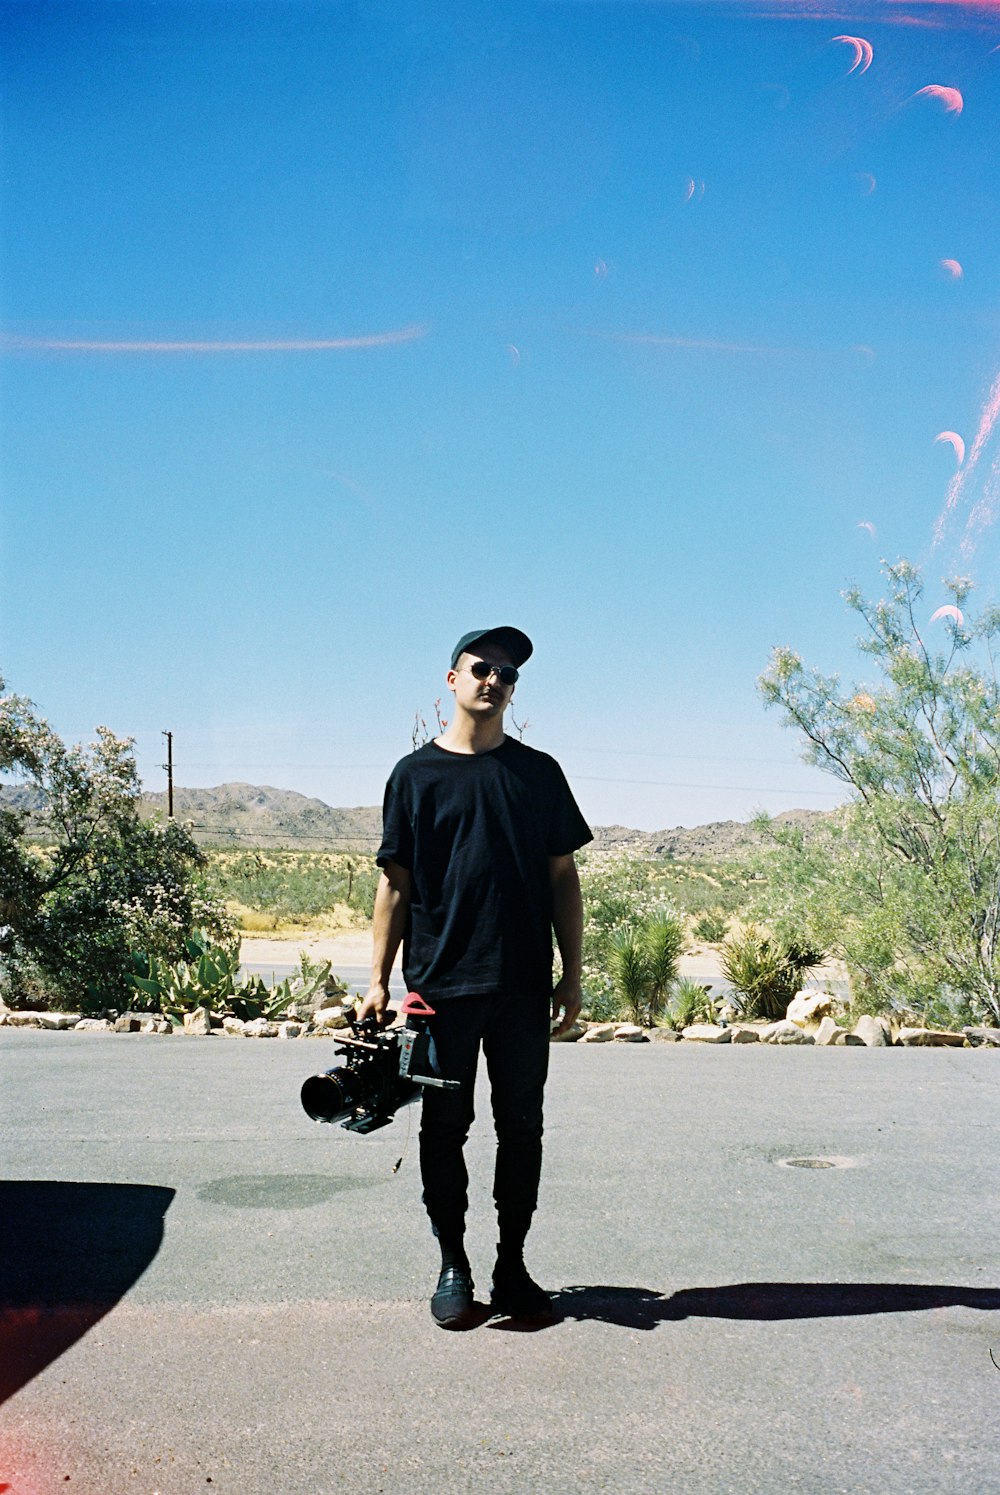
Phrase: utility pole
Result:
[169,766]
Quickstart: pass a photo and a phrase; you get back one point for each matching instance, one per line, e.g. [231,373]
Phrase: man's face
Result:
[488,697]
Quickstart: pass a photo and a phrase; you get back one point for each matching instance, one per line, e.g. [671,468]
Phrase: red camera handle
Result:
[415,1006]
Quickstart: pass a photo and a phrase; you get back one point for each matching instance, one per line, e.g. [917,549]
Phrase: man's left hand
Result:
[567,999]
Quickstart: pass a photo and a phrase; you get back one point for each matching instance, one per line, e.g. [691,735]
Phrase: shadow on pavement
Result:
[641,1308]
[68,1253]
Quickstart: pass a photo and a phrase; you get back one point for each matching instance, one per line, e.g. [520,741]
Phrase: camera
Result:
[384,1069]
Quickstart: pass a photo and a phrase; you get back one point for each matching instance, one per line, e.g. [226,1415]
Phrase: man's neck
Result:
[475,735]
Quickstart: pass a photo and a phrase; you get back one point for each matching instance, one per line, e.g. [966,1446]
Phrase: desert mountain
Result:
[257,815]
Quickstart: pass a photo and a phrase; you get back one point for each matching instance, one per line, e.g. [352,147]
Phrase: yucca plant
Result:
[690,1002]
[643,964]
[663,938]
[765,971]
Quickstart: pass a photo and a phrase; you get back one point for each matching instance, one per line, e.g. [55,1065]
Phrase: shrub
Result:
[643,964]
[765,971]
[690,1002]
[711,927]
[96,881]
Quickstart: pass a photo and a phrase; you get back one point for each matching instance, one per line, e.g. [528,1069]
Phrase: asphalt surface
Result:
[204,1290]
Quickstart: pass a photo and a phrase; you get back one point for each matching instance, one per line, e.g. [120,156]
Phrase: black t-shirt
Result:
[475,832]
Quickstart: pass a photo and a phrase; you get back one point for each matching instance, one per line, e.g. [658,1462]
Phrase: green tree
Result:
[903,882]
[83,880]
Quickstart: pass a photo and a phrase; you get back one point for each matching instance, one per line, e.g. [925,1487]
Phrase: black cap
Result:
[516,643]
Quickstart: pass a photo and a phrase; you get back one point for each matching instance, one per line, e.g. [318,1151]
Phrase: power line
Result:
[673,784]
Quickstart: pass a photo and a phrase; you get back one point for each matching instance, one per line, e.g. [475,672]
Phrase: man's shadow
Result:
[644,1308]
[68,1253]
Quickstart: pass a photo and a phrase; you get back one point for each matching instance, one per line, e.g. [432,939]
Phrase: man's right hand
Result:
[375,1003]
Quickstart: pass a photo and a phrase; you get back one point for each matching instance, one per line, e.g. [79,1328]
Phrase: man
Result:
[477,865]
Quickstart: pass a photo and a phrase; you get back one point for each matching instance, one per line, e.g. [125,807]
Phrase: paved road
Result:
[732,1323]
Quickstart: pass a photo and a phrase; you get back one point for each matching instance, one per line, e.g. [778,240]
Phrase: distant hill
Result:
[257,815]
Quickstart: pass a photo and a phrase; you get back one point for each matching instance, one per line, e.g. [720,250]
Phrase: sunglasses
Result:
[505,673]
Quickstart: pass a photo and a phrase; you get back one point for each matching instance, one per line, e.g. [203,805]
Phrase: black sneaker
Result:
[519,1297]
[453,1306]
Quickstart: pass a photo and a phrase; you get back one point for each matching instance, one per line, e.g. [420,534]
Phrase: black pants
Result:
[514,1033]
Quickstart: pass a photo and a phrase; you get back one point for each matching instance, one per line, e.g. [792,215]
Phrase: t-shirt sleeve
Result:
[568,830]
[397,824]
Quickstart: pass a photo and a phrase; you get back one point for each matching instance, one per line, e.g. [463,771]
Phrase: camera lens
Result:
[329,1096]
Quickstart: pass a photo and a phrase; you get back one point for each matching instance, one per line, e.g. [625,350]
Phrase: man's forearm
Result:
[567,918]
[392,906]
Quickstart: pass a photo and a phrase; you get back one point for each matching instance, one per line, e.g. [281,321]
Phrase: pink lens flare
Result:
[955,441]
[987,421]
[694,191]
[951,98]
[867,524]
[866,182]
[601,270]
[514,354]
[949,611]
[862,52]
[952,268]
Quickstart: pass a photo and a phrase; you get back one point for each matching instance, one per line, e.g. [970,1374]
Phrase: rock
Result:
[572,1035]
[983,1037]
[629,1033]
[260,1028]
[233,1027]
[930,1038]
[198,1022]
[707,1033]
[828,1032]
[848,1040]
[873,1031]
[599,1033]
[153,1022]
[744,1035]
[24,1020]
[289,1030]
[93,1025]
[576,1032]
[728,1013]
[784,1031]
[663,1035]
[332,1017]
[128,1023]
[60,1021]
[807,1007]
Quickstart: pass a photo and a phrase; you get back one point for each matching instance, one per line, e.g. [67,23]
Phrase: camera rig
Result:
[385,1068]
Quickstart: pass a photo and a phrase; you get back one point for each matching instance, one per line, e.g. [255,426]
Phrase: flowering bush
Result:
[83,880]
[620,892]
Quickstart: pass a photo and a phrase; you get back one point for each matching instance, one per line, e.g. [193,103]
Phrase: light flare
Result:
[949,610]
[952,268]
[867,524]
[862,53]
[955,441]
[951,98]
[987,421]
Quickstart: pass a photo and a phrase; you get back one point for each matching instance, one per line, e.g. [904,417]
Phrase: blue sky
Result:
[328,332]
